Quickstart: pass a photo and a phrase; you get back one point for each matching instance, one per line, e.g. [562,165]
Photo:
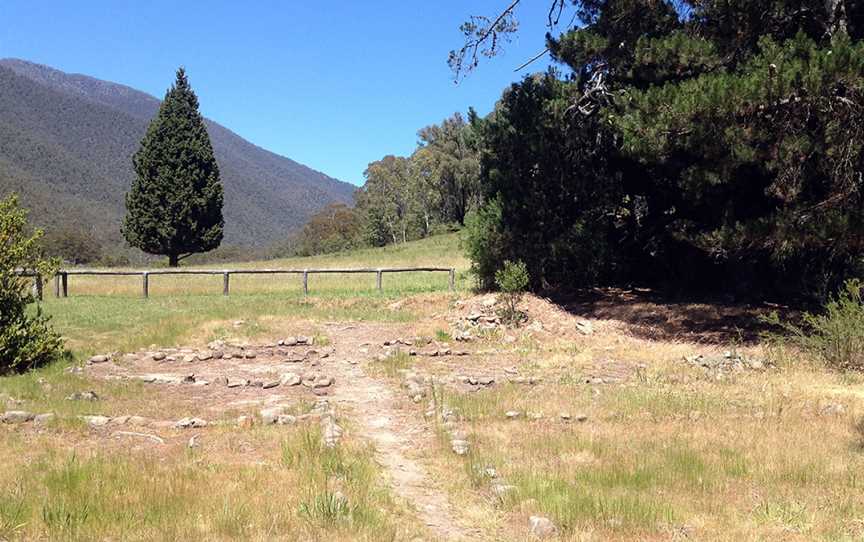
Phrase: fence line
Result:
[61,278]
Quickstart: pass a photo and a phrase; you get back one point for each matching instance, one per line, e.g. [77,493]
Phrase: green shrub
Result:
[26,341]
[835,336]
[512,279]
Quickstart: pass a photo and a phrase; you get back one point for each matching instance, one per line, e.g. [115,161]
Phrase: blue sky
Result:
[333,85]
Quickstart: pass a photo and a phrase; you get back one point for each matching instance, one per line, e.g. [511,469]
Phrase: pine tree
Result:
[175,205]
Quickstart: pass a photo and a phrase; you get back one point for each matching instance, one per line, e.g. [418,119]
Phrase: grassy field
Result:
[665,450]
[108,314]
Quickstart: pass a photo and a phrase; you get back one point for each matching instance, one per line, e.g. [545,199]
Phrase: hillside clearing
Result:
[607,423]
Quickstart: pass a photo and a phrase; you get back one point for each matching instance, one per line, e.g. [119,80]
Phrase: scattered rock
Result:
[237,383]
[204,356]
[158,356]
[251,354]
[189,358]
[541,527]
[271,384]
[101,358]
[512,414]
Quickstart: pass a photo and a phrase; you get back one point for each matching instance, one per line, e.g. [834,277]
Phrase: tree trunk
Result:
[173,260]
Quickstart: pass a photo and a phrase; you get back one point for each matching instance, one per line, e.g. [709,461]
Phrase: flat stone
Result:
[290,379]
[17,416]
[289,341]
[101,358]
[251,354]
[512,414]
[96,421]
[237,382]
[205,356]
[322,382]
[270,384]
[189,358]
[485,380]
[158,356]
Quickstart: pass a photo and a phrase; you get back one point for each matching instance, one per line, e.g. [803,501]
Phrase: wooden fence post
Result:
[305,282]
[378,275]
[452,280]
[226,279]
[64,283]
[145,284]
[38,287]
[57,285]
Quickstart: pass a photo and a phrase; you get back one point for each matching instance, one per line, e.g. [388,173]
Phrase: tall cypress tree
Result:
[175,205]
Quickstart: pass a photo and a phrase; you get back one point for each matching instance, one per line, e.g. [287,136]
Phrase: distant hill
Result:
[66,145]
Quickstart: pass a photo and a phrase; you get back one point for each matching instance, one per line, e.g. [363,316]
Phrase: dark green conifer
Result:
[175,205]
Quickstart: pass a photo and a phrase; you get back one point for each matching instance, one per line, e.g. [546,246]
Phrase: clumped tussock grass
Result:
[310,492]
[393,365]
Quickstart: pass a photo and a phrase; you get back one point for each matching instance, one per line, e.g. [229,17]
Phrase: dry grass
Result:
[671,452]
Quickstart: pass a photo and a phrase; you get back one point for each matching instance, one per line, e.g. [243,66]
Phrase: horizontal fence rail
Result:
[61,278]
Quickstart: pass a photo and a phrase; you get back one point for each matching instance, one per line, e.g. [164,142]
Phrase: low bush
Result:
[26,340]
[512,280]
[836,335]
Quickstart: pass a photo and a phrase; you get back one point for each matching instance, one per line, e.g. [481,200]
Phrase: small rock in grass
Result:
[271,415]
[101,358]
[459,446]
[43,419]
[511,414]
[83,396]
[565,416]
[541,527]
[286,419]
[188,423]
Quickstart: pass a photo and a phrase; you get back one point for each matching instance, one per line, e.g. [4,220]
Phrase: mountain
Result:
[66,145]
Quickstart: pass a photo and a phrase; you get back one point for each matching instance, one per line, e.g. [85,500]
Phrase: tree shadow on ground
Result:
[652,315]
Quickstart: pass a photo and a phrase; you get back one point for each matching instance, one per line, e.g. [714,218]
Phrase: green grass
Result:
[59,495]
[107,314]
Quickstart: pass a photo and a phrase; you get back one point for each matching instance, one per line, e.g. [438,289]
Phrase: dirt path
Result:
[374,408]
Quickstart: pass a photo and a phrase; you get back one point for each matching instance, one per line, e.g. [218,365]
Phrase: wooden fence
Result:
[61,279]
